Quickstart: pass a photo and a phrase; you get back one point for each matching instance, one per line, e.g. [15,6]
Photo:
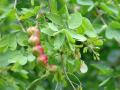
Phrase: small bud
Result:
[83,67]
[52,68]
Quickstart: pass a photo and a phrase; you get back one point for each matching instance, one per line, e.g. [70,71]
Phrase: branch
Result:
[75,77]
[36,81]
[69,79]
[66,72]
[100,15]
[56,86]
[17,17]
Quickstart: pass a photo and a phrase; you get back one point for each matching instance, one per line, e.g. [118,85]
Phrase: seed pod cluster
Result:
[37,49]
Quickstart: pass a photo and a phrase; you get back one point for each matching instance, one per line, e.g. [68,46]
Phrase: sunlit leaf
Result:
[59,40]
[75,20]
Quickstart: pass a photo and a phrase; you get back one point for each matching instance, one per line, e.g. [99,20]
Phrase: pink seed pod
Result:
[38,50]
[34,40]
[43,59]
[33,30]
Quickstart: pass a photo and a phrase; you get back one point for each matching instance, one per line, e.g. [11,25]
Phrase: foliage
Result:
[72,33]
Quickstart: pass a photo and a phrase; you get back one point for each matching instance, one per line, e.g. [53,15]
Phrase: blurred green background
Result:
[104,16]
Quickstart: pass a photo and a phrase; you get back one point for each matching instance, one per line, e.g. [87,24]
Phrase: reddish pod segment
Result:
[34,40]
[43,59]
[33,30]
[38,50]
[52,68]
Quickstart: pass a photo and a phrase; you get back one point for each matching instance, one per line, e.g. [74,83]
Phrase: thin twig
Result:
[100,15]
[39,14]
[36,80]
[62,60]
[15,3]
[56,86]
[75,77]
[69,80]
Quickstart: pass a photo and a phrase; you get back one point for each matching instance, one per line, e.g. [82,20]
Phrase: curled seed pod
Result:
[33,30]
[34,40]
[38,50]
[52,68]
[43,59]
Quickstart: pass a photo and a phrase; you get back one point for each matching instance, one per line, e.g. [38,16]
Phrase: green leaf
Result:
[87,26]
[75,20]
[12,57]
[22,39]
[27,13]
[24,73]
[85,2]
[78,37]
[12,42]
[69,36]
[55,18]
[104,82]
[72,47]
[30,57]
[98,42]
[4,42]
[39,88]
[115,24]
[8,42]
[16,67]
[47,31]
[103,68]
[17,57]
[32,2]
[95,41]
[70,65]
[77,65]
[85,49]
[113,34]
[73,65]
[109,9]
[53,6]
[52,27]
[80,30]
[4,59]
[7,14]
[59,40]
[8,83]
